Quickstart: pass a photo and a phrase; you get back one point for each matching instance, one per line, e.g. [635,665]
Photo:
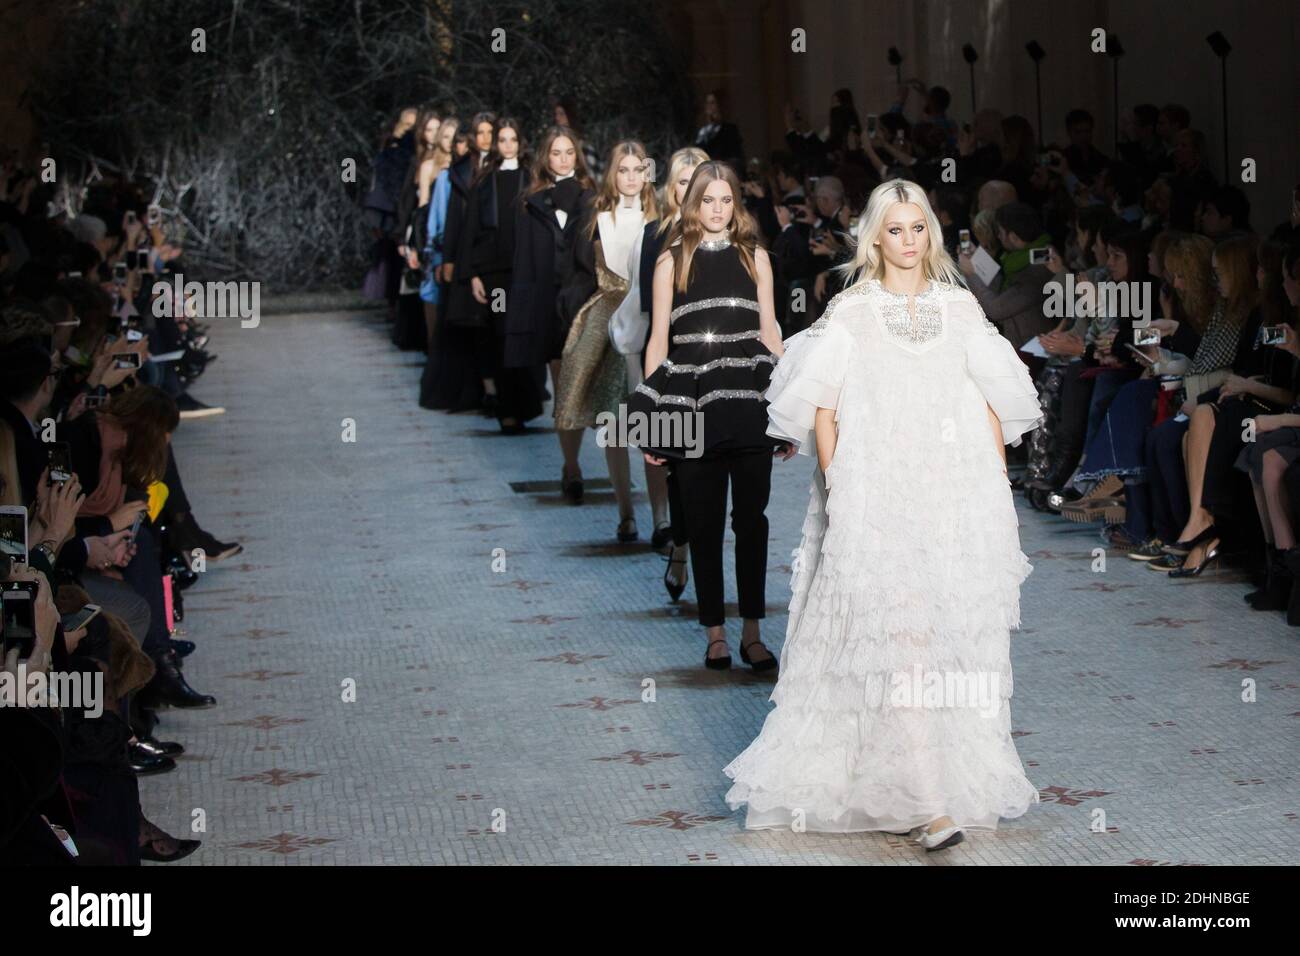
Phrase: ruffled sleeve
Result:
[809,376]
[997,371]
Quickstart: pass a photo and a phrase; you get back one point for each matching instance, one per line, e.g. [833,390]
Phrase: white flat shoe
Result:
[939,840]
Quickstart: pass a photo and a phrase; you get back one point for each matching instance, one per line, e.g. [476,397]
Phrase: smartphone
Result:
[60,462]
[119,272]
[134,335]
[19,615]
[1038,257]
[1139,355]
[1272,335]
[154,215]
[135,525]
[1146,336]
[13,532]
[871,124]
[79,619]
[963,240]
[126,359]
[130,215]
[900,138]
[75,355]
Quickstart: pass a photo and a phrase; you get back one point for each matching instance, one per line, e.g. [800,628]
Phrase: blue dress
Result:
[433,255]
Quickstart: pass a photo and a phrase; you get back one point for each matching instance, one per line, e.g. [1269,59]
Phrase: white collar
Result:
[511,163]
[560,179]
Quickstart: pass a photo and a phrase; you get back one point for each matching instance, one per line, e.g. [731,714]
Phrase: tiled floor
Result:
[513,698]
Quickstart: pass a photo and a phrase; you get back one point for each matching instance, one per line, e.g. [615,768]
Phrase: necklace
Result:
[713,245]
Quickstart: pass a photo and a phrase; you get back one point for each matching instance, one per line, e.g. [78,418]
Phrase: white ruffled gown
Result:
[892,705]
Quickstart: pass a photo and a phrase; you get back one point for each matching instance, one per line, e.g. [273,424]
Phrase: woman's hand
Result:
[1237,385]
[785,451]
[56,507]
[652,460]
[1266,423]
[819,287]
[1290,342]
[124,516]
[965,264]
[113,550]
[478,290]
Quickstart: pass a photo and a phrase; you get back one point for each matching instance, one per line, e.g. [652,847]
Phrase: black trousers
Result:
[702,483]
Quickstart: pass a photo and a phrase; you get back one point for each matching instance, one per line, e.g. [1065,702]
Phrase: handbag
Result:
[1196,384]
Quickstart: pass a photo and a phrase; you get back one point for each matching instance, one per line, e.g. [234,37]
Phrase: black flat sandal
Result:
[766,664]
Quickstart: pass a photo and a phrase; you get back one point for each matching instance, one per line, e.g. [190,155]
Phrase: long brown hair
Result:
[541,174]
[688,232]
[147,415]
[1236,261]
[607,197]
[1189,259]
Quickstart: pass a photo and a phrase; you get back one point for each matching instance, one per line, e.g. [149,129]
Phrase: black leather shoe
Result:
[183,849]
[159,748]
[170,689]
[182,648]
[144,764]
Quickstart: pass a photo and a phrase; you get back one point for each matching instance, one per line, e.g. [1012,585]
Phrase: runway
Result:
[500,713]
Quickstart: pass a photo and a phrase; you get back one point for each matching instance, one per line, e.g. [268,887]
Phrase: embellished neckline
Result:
[930,289]
[714,245]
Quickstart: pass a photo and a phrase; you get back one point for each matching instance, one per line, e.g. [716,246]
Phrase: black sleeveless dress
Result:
[716,365]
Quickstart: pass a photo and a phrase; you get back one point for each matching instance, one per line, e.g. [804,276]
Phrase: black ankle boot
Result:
[1276,592]
[170,689]
[1291,558]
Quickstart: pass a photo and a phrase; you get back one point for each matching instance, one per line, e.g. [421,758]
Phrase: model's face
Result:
[1117,263]
[904,236]
[483,136]
[431,129]
[683,180]
[629,178]
[446,135]
[508,143]
[562,157]
[717,206]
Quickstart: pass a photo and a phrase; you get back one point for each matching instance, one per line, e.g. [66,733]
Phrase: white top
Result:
[511,163]
[619,231]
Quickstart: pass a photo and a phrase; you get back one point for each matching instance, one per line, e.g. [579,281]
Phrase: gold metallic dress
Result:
[593,377]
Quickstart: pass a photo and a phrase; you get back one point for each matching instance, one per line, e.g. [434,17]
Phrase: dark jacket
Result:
[543,263]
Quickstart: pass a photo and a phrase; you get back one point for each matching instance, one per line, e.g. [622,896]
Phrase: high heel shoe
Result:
[1186,546]
[716,663]
[765,664]
[571,488]
[940,839]
[675,588]
[1186,572]
[627,531]
[661,537]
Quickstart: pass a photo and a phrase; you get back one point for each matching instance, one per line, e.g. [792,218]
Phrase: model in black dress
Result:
[495,201]
[713,344]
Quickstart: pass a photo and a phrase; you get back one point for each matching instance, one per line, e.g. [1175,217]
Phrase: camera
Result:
[1272,335]
[1146,337]
[1038,257]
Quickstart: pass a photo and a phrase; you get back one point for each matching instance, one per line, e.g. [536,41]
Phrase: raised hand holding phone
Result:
[124,517]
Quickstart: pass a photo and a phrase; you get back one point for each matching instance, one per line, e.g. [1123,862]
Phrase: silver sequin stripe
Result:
[722,302]
[714,337]
[713,396]
[727,362]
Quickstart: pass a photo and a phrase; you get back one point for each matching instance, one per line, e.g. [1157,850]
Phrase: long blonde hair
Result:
[607,198]
[686,158]
[1190,259]
[690,231]
[868,263]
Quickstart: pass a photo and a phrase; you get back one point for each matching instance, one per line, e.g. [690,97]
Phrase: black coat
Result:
[460,309]
[536,322]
